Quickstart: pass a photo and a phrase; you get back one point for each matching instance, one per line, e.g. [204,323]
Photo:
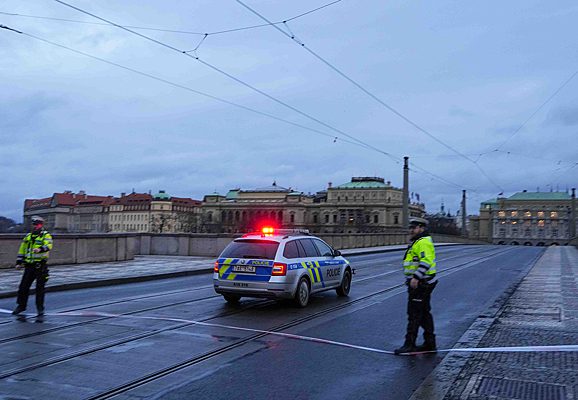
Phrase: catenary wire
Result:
[370,94]
[168,30]
[558,90]
[222,72]
[236,79]
[416,168]
[180,86]
[397,160]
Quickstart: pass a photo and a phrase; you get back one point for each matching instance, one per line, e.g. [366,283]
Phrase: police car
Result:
[280,264]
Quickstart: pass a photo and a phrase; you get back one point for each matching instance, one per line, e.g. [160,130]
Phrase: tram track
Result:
[213,353]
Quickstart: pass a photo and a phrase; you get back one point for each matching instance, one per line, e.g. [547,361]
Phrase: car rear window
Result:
[251,248]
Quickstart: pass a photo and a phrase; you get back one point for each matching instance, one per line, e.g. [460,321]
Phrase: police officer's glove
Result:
[18,264]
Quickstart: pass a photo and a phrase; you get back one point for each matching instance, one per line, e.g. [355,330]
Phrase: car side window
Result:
[324,249]
[291,250]
[310,249]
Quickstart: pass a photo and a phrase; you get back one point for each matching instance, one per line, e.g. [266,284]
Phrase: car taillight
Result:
[216,269]
[279,269]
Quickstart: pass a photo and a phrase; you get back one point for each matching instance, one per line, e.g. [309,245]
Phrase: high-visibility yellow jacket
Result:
[41,241]
[420,260]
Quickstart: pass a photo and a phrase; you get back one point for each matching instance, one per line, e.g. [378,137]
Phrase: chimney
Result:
[524,191]
[122,194]
[329,184]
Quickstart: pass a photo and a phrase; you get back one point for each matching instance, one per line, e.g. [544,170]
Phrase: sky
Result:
[481,96]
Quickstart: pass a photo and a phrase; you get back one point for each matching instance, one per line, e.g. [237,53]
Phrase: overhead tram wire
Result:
[367,92]
[169,30]
[170,83]
[397,160]
[566,82]
[177,85]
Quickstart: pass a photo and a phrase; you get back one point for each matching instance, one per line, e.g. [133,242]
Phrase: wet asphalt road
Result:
[82,357]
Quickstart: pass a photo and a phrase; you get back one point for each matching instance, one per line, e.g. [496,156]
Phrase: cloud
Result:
[566,116]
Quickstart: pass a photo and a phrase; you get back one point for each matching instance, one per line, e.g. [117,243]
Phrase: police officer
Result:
[420,271]
[33,255]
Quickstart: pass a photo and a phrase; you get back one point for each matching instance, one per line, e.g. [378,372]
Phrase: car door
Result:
[330,267]
[311,263]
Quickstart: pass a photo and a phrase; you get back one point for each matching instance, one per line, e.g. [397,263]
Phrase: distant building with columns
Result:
[526,218]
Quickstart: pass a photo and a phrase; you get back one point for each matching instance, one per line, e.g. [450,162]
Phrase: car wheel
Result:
[345,286]
[232,298]
[302,293]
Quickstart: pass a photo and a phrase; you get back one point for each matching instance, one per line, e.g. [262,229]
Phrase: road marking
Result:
[570,347]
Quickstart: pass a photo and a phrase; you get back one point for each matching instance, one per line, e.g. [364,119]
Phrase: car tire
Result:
[232,298]
[302,293]
[345,286]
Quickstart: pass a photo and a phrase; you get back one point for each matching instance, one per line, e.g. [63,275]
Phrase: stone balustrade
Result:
[86,248]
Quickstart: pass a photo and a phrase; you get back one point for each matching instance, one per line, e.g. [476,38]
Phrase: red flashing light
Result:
[279,269]
[268,230]
[216,268]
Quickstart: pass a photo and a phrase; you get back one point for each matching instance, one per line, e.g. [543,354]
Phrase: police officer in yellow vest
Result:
[33,255]
[419,265]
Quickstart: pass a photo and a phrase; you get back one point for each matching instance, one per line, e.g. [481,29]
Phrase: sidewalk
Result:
[542,310]
[142,268]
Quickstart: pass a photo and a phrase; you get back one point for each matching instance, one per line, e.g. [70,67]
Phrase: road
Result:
[145,355]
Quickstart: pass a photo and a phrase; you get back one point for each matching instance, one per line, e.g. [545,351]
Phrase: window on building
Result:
[528,214]
[514,222]
[315,218]
[396,219]
[292,218]
[514,213]
[367,219]
[541,223]
[553,214]
[554,232]
[501,214]
[334,218]
[375,219]
[326,218]
[540,214]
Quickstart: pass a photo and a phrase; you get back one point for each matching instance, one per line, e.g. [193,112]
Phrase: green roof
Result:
[161,195]
[540,196]
[364,183]
[491,202]
[232,194]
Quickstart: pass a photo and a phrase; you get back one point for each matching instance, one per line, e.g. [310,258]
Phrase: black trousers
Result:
[418,313]
[39,272]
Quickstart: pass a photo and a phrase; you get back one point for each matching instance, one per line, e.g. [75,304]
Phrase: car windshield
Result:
[251,248]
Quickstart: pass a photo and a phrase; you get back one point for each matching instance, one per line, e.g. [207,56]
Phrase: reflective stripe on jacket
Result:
[42,241]
[420,259]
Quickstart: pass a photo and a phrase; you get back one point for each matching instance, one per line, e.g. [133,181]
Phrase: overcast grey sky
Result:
[468,73]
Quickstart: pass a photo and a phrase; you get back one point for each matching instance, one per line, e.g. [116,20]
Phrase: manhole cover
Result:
[520,389]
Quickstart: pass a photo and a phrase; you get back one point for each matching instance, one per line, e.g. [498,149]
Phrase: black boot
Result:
[40,311]
[408,347]
[18,310]
[429,344]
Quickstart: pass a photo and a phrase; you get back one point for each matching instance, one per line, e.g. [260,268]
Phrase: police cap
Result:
[37,220]
[416,221]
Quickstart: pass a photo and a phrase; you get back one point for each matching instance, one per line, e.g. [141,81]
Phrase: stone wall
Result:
[86,248]
[210,245]
[74,248]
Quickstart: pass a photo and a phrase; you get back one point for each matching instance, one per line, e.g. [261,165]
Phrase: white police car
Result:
[280,264]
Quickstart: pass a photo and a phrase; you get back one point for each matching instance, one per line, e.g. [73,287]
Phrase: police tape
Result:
[553,348]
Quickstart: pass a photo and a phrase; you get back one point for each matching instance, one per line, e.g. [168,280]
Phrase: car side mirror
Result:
[336,253]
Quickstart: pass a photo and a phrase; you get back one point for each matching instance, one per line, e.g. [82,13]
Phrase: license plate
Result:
[249,269]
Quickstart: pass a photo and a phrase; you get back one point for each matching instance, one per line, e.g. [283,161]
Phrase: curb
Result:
[441,379]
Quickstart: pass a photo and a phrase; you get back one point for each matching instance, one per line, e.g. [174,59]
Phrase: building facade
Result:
[135,212]
[526,218]
[366,204]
